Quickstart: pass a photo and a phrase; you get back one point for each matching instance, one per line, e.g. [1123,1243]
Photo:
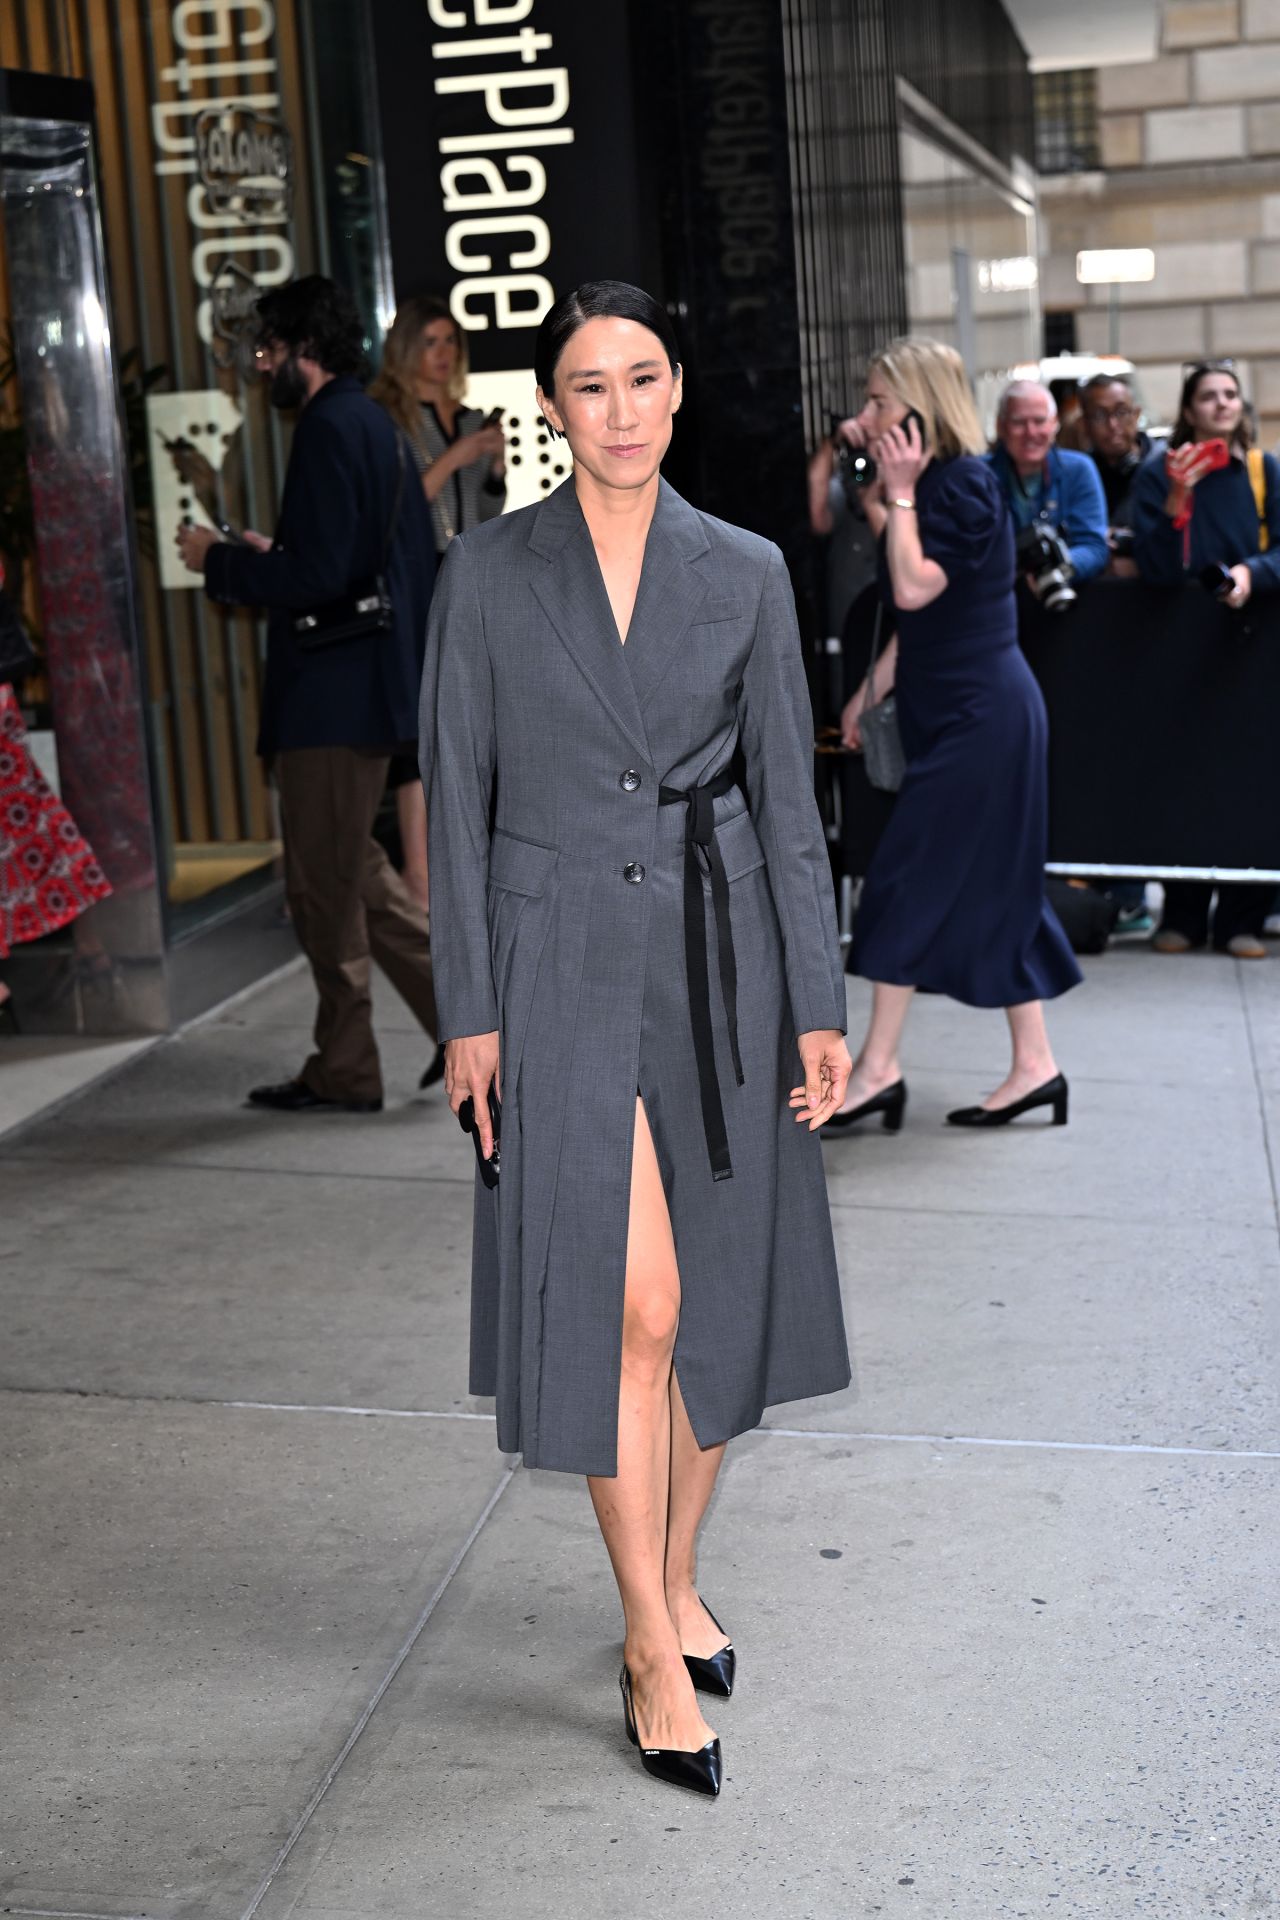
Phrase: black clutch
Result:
[492,1167]
[366,611]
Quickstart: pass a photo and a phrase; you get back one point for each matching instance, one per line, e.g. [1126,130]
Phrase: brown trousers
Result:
[349,905]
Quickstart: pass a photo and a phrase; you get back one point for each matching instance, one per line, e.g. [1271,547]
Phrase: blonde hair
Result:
[929,376]
[395,387]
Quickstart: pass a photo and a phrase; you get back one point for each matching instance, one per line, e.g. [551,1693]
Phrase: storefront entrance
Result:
[217,151]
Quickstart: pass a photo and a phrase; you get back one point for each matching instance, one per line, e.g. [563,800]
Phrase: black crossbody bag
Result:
[366,611]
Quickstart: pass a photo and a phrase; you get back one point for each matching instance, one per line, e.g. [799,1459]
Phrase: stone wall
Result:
[1191,150]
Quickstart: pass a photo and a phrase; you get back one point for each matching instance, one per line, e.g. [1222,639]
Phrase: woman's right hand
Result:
[1185,466]
[851,718]
[470,1069]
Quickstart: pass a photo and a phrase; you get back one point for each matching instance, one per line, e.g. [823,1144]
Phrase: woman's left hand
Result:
[900,457]
[827,1066]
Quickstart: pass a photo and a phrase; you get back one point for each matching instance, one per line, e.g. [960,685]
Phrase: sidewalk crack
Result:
[304,1819]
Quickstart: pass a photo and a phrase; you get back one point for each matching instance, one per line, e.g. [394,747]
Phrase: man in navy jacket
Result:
[1046,483]
[332,716]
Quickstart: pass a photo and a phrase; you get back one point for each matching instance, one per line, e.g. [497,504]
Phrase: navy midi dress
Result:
[954,898]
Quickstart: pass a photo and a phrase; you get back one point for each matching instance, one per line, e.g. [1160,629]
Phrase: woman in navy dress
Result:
[954,899]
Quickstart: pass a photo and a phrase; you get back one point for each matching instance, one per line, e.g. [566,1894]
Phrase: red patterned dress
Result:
[48,873]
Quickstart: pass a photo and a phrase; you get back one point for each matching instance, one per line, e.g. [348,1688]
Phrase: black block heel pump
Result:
[1054,1093]
[891,1102]
[701,1772]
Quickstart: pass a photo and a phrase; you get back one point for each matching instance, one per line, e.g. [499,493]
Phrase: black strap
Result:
[394,521]
[700,844]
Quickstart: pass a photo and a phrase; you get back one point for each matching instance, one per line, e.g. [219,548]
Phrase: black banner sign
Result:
[510,154]
[1162,727]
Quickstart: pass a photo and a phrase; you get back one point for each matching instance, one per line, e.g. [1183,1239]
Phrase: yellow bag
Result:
[1258,481]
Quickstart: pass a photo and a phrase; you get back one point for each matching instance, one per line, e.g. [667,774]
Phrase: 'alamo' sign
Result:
[245,160]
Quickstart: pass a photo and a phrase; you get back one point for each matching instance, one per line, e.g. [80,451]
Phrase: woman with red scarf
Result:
[1211,500]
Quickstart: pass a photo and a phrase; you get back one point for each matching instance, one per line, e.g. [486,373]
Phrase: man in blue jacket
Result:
[1046,483]
[332,716]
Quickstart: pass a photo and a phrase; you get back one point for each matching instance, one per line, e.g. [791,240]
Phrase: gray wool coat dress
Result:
[557,763]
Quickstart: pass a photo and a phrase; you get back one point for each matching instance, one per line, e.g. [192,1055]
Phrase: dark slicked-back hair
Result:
[316,317]
[598,300]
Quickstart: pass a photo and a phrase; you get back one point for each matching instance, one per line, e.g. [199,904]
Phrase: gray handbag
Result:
[881,739]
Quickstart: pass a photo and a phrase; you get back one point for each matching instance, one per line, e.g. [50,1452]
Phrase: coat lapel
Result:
[671,593]
[571,593]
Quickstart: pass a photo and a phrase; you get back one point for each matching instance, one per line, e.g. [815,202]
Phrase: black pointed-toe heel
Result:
[715,1673]
[890,1101]
[701,1771]
[1054,1093]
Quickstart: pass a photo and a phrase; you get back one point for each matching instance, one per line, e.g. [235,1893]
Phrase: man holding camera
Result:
[1055,496]
[836,516]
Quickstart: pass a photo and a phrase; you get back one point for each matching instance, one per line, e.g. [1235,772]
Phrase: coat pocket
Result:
[520,866]
[712,611]
[739,845]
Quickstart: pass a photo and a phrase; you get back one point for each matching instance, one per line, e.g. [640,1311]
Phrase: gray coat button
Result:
[633,872]
[629,781]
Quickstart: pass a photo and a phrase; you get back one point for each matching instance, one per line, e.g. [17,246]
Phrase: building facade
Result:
[1187,149]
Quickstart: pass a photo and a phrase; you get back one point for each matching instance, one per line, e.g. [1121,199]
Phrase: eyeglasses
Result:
[1111,416]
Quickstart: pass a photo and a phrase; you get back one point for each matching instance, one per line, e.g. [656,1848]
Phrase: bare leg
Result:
[877,1065]
[411,812]
[693,1479]
[632,1507]
[1033,1061]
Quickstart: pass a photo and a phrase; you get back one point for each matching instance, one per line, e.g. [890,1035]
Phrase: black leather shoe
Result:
[890,1101]
[715,1673]
[701,1771]
[1054,1093]
[434,1073]
[295,1096]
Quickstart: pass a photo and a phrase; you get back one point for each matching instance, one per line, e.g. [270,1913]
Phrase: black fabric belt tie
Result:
[699,848]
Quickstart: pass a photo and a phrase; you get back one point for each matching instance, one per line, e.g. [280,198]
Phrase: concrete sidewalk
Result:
[284,1636]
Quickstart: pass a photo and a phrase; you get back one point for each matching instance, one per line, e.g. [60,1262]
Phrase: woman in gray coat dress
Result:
[639,953]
